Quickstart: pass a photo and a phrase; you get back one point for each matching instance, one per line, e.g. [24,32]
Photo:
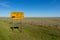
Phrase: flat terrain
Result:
[32,29]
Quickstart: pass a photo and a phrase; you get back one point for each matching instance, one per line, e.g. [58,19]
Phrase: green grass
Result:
[29,32]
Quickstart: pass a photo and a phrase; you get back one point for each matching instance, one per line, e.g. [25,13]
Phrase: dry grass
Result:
[33,29]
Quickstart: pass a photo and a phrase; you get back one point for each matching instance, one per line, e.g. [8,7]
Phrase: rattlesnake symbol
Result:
[13,17]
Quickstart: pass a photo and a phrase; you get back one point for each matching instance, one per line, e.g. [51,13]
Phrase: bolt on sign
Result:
[17,15]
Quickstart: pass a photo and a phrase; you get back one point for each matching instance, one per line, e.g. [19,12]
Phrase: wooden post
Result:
[21,25]
[12,25]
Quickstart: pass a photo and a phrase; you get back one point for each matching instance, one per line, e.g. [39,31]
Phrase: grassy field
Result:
[33,29]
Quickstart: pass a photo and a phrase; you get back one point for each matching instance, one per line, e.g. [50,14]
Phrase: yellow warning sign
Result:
[17,15]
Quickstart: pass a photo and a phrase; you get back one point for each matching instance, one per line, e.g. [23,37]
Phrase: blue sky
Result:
[31,8]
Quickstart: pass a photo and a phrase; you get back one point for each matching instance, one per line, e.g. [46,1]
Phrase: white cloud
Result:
[5,4]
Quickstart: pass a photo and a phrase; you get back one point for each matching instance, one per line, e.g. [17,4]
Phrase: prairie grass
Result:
[32,29]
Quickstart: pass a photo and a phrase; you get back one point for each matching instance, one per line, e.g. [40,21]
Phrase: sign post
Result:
[17,16]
